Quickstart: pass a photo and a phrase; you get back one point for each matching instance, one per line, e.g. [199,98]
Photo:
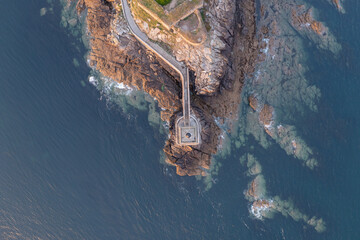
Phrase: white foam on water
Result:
[93,81]
[260,211]
[125,88]
[266,49]
[269,126]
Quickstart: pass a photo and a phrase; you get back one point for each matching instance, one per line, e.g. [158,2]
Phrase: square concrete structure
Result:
[187,133]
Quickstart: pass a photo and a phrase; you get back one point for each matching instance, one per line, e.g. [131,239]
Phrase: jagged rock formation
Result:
[209,60]
[117,54]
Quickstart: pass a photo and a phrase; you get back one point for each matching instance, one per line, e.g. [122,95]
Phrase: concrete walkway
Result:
[170,60]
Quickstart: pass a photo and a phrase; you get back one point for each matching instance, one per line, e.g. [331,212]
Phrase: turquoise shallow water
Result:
[73,168]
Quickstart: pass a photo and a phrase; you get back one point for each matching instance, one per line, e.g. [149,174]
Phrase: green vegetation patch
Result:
[141,14]
[163,2]
[179,12]
[205,20]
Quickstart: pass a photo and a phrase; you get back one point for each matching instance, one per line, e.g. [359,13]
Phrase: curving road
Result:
[170,60]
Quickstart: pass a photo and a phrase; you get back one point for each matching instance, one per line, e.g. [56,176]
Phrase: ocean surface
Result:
[74,166]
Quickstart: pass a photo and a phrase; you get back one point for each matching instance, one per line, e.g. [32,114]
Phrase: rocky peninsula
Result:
[248,78]
[219,63]
[222,42]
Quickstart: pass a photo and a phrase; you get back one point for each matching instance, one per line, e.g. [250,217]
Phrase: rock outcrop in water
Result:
[303,20]
[262,206]
[217,65]
[338,4]
[285,135]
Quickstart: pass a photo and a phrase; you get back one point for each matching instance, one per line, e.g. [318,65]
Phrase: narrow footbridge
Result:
[187,127]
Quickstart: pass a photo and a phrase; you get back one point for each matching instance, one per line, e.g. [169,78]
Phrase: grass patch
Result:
[180,11]
[144,16]
[163,2]
[205,20]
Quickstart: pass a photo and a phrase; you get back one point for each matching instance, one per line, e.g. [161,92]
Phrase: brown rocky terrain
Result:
[122,58]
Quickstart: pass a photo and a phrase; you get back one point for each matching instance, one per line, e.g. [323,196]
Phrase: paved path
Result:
[178,66]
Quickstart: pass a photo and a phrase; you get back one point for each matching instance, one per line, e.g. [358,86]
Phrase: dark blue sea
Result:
[73,166]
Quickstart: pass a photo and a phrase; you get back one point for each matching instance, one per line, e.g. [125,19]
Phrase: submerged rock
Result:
[264,207]
[43,11]
[303,19]
[279,91]
[338,4]
[285,135]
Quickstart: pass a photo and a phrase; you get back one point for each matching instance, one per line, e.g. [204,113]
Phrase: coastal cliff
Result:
[115,53]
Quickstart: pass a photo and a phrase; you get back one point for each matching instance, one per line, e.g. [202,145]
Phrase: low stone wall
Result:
[169,19]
